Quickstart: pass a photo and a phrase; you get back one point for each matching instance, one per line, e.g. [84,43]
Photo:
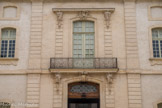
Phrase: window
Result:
[157,42]
[159,105]
[5,105]
[83,39]
[8,39]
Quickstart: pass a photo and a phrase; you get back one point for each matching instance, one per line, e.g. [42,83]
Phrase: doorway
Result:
[83,95]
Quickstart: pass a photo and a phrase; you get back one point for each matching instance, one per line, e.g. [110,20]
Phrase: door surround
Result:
[67,81]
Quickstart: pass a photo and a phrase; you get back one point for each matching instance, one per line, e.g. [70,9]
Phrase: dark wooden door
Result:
[83,103]
[83,95]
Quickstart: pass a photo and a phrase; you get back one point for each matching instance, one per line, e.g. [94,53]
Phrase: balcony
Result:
[83,65]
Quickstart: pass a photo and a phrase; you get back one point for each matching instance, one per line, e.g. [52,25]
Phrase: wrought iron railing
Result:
[83,63]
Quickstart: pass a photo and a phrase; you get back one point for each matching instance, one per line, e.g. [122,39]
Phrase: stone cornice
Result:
[83,9]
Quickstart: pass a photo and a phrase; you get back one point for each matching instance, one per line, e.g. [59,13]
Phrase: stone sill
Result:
[73,71]
[8,61]
[156,61]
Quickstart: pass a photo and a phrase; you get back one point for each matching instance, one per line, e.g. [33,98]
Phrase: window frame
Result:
[8,39]
[10,61]
[70,34]
[83,37]
[10,5]
[155,104]
[154,60]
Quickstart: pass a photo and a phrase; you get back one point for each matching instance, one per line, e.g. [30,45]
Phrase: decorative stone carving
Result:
[59,15]
[84,76]
[110,78]
[83,15]
[107,16]
[155,61]
[110,81]
[57,80]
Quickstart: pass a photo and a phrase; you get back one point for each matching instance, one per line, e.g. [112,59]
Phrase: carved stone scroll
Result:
[110,81]
[59,15]
[107,16]
[57,81]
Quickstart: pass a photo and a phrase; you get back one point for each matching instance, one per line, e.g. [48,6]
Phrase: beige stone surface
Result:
[138,82]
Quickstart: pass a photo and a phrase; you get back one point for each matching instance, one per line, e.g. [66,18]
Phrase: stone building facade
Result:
[58,53]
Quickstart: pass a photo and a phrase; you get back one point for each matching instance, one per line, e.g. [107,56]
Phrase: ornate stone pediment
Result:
[83,13]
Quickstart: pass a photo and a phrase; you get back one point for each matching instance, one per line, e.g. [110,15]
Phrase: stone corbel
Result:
[109,77]
[84,76]
[59,15]
[107,16]
[57,80]
[83,15]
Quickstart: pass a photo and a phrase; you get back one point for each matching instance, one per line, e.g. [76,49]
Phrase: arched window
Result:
[159,105]
[157,42]
[8,40]
[5,105]
[83,39]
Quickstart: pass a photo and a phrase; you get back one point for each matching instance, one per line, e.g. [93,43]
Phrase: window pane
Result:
[77,26]
[155,33]
[4,47]
[156,52]
[160,33]
[89,27]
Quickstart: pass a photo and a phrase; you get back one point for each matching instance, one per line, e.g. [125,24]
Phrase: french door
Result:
[83,44]
[83,39]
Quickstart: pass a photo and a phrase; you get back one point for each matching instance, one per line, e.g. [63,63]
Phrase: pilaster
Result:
[57,94]
[131,35]
[36,35]
[110,95]
[33,90]
[134,91]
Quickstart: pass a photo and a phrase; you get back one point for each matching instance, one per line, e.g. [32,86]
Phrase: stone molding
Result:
[9,4]
[83,13]
[9,61]
[156,61]
[149,13]
[66,81]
